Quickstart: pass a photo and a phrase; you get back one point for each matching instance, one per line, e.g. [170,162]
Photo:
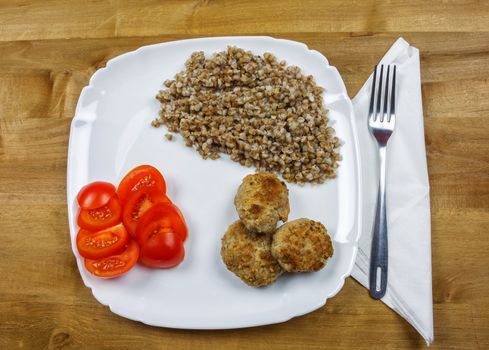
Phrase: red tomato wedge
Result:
[163,249]
[95,195]
[137,204]
[161,217]
[101,244]
[143,176]
[114,265]
[102,217]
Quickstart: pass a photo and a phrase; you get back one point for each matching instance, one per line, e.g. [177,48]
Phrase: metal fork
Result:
[381,122]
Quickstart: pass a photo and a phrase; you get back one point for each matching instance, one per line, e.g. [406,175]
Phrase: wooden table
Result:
[48,51]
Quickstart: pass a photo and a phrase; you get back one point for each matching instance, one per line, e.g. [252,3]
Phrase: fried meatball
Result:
[302,245]
[261,201]
[248,256]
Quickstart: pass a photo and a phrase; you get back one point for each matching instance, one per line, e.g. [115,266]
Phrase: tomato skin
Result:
[95,195]
[163,249]
[161,216]
[114,265]
[101,244]
[102,217]
[137,204]
[143,176]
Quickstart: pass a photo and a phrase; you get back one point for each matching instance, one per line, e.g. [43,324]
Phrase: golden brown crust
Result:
[302,245]
[248,256]
[261,201]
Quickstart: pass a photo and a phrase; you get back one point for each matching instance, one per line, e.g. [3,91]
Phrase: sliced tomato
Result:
[137,204]
[114,265]
[163,249]
[101,244]
[143,176]
[95,195]
[161,216]
[102,217]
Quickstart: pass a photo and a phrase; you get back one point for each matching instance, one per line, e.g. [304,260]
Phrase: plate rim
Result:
[357,163]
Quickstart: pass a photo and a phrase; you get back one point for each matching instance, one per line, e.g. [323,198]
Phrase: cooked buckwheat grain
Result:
[259,111]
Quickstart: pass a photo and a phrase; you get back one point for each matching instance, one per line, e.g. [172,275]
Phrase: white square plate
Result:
[111,133]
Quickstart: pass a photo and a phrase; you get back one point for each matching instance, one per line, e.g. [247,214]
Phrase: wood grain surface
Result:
[49,50]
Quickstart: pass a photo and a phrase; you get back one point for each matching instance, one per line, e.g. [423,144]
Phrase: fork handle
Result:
[379,252]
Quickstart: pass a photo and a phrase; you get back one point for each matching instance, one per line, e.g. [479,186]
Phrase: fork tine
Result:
[379,93]
[383,116]
[392,111]
[372,94]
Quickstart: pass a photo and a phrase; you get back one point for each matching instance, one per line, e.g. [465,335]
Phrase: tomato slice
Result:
[101,217]
[161,216]
[114,265]
[143,176]
[95,195]
[101,244]
[137,204]
[163,249]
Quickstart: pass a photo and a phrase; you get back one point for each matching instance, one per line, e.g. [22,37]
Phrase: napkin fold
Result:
[409,290]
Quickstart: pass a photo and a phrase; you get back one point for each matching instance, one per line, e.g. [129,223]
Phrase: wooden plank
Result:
[453,66]
[45,64]
[60,309]
[56,19]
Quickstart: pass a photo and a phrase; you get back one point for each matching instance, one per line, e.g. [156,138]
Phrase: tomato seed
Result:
[100,213]
[143,204]
[146,181]
[97,243]
[109,264]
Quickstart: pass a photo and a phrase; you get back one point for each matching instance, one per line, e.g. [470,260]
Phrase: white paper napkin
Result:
[408,201]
